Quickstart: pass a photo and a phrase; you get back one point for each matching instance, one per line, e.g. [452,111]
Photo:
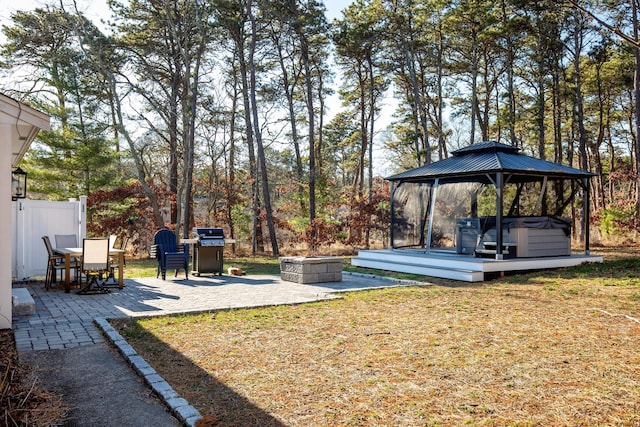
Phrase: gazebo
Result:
[487,208]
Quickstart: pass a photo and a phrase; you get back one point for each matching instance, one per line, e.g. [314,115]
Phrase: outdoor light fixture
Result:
[18,184]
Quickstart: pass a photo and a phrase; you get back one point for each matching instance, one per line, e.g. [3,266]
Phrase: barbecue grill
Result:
[208,253]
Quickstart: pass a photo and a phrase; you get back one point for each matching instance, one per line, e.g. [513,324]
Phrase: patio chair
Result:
[112,245]
[169,255]
[66,241]
[95,264]
[55,263]
[69,241]
[113,261]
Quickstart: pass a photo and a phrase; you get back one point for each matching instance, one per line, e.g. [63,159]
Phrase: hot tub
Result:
[539,236]
[523,237]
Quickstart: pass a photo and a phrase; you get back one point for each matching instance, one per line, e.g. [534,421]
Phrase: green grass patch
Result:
[145,267]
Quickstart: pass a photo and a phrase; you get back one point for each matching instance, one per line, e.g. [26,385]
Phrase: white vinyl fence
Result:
[32,219]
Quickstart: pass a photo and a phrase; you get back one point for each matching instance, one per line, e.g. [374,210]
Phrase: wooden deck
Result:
[450,265]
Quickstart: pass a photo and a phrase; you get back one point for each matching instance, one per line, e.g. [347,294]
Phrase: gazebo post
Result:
[432,208]
[392,193]
[586,211]
[499,215]
[474,203]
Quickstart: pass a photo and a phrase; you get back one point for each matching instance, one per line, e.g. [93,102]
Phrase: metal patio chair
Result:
[55,263]
[94,265]
[113,261]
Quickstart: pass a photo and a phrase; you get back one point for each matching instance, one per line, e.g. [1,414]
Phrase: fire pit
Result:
[311,269]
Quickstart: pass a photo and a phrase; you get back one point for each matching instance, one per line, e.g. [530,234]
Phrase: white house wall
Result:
[6,135]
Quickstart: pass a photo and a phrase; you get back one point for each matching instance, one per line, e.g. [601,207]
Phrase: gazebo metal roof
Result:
[474,162]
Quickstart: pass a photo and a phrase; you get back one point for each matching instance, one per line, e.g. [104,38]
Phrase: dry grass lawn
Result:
[560,348]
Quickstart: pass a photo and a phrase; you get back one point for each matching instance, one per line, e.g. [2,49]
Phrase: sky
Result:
[97,9]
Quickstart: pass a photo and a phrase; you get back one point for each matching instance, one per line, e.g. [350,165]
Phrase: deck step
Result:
[404,266]
[450,265]
[22,302]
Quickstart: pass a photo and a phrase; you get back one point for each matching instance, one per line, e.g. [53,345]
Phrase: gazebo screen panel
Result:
[456,200]
[411,204]
[412,210]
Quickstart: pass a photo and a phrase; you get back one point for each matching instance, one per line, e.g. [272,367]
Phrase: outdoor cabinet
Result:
[467,232]
[208,259]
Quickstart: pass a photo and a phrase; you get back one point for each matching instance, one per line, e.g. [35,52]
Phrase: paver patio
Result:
[66,320]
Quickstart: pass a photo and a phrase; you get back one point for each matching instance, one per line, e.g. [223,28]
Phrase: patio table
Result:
[77,252]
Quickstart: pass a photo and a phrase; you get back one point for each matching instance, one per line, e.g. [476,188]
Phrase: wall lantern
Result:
[18,184]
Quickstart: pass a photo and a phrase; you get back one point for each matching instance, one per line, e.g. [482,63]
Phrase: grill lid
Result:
[205,233]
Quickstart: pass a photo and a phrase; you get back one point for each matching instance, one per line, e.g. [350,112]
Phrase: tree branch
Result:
[614,30]
[626,316]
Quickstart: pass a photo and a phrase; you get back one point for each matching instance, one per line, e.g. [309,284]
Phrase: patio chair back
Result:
[166,239]
[95,264]
[47,244]
[124,242]
[66,241]
[95,255]
[114,260]
[123,246]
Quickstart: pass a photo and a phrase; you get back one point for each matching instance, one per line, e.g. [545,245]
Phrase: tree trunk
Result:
[304,52]
[192,85]
[636,91]
[289,90]
[442,143]
[253,168]
[582,134]
[231,168]
[135,153]
[258,135]
[541,95]
[423,154]
[511,110]
[372,120]
[474,85]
